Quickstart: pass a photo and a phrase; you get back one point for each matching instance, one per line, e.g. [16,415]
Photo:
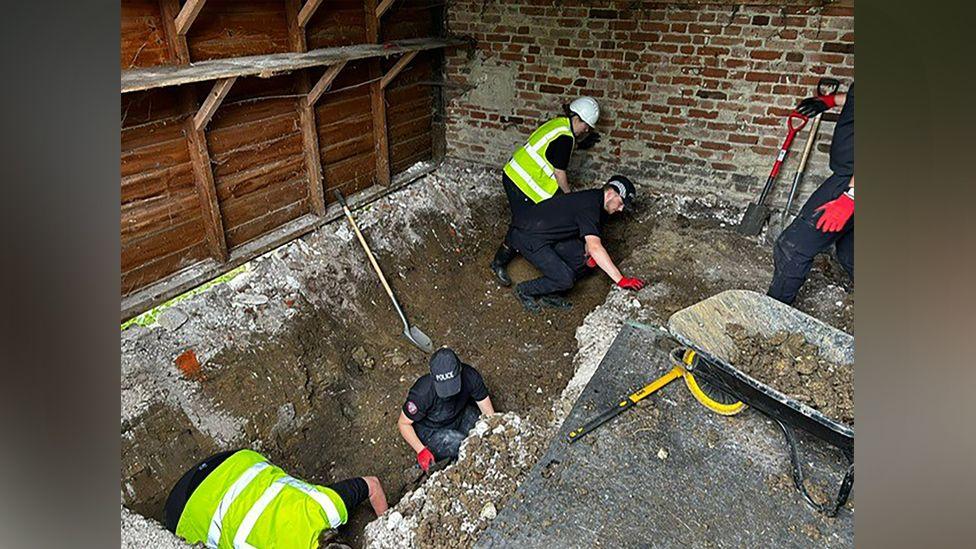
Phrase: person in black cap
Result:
[562,238]
[440,408]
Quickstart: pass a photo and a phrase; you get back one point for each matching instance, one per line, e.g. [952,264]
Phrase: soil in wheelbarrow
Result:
[793,366]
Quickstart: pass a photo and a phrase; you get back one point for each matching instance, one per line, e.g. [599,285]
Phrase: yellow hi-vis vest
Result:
[248,503]
[529,169]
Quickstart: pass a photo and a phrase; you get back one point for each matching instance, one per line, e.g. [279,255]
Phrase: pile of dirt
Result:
[792,365]
[456,504]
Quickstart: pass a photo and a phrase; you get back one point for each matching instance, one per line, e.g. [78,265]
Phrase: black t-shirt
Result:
[842,145]
[572,215]
[559,151]
[423,405]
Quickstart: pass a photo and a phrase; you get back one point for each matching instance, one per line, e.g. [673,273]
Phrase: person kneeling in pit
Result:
[238,499]
[562,237]
[440,409]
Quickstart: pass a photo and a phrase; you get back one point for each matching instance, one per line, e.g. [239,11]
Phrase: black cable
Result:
[845,486]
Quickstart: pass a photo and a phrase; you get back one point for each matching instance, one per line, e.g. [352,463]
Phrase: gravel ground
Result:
[138,532]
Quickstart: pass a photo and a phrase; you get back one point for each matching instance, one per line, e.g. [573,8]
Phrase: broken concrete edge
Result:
[156,314]
[205,273]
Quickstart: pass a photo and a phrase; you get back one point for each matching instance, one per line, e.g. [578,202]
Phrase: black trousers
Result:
[561,263]
[445,442]
[518,203]
[796,247]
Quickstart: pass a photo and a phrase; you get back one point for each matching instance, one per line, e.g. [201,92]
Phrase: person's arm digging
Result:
[424,456]
[377,497]
[599,255]
[485,406]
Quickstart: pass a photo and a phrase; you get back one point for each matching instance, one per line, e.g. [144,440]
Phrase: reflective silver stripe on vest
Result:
[216,523]
[534,151]
[528,179]
[327,505]
[324,501]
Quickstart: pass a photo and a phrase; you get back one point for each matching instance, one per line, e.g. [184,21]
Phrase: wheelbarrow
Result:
[702,327]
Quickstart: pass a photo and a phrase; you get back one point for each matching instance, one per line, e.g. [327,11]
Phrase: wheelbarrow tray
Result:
[702,327]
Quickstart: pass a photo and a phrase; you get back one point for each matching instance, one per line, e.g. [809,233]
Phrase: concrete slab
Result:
[669,472]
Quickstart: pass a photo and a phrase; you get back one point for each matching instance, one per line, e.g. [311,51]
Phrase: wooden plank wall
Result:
[410,97]
[256,154]
[255,139]
[345,129]
[162,226]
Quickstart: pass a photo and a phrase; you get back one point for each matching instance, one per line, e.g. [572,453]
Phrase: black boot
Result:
[499,264]
[527,301]
[555,301]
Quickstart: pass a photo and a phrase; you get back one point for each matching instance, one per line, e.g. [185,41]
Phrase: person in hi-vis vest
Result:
[537,170]
[238,499]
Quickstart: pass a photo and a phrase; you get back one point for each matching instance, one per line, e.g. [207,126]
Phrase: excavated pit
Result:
[301,356]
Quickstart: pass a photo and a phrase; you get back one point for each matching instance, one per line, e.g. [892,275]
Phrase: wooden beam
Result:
[306,114]
[308,10]
[266,66]
[324,82]
[380,136]
[377,97]
[296,31]
[188,15]
[392,73]
[203,179]
[176,42]
[214,99]
[196,139]
[384,5]
[313,162]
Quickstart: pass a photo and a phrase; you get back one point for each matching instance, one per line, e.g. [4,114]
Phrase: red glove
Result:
[835,214]
[629,283]
[425,459]
[590,262]
[812,106]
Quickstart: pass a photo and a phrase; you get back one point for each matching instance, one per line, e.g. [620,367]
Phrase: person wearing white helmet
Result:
[537,170]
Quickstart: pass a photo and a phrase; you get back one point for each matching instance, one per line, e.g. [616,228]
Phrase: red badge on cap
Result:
[411,407]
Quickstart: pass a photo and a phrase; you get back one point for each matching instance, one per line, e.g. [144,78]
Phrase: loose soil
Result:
[792,365]
[315,377]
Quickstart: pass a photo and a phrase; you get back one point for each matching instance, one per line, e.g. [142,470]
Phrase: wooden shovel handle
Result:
[809,145]
[362,241]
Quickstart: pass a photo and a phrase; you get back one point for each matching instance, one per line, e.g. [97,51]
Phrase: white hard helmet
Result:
[587,109]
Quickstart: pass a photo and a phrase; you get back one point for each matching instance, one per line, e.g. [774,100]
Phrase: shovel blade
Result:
[419,339]
[754,219]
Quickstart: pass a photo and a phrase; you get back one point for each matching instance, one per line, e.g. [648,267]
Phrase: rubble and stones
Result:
[457,503]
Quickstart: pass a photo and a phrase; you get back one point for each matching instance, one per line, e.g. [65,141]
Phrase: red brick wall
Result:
[693,97]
